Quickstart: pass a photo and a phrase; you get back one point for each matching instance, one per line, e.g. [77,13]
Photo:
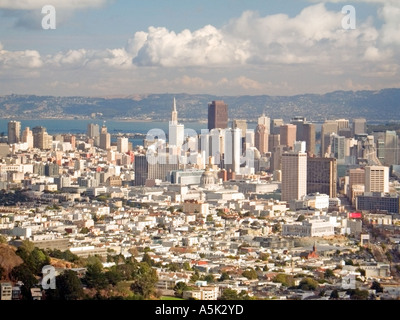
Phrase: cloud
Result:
[206,46]
[28,59]
[249,54]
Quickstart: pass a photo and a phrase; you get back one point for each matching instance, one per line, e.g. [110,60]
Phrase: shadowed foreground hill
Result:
[8,258]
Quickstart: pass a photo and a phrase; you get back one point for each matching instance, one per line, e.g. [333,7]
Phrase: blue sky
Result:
[224,47]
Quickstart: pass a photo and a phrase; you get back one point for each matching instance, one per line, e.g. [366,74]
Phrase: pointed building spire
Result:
[174,117]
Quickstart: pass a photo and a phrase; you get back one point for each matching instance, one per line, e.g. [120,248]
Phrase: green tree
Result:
[285,279]
[229,294]
[24,273]
[209,218]
[145,280]
[69,287]
[308,284]
[95,277]
[209,278]
[301,218]
[329,274]
[37,260]
[186,266]
[195,276]
[3,239]
[224,276]
[334,294]
[146,258]
[113,276]
[179,288]
[250,274]
[358,294]
[377,286]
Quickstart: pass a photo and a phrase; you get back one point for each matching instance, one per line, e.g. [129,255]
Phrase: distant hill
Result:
[382,105]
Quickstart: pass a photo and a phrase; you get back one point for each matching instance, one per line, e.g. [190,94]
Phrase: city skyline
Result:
[101,47]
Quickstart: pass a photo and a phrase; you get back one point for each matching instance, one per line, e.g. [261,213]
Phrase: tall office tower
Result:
[299,122]
[294,176]
[359,126]
[27,137]
[93,132]
[342,124]
[176,130]
[242,125]
[122,144]
[356,176]
[338,148]
[376,179]
[261,139]
[288,135]
[309,138]
[380,150]
[14,132]
[328,127]
[36,131]
[276,158]
[232,150]
[44,140]
[276,126]
[322,176]
[274,140]
[105,138]
[391,148]
[266,121]
[217,115]
[305,132]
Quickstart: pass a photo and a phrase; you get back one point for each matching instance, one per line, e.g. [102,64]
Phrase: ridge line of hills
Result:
[379,106]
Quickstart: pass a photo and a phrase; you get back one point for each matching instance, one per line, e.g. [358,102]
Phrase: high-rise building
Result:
[105,138]
[305,131]
[328,127]
[240,124]
[176,130]
[359,126]
[93,132]
[266,121]
[376,179]
[294,176]
[342,124]
[122,144]
[288,135]
[261,138]
[27,137]
[41,139]
[217,115]
[274,140]
[276,126]
[338,148]
[391,148]
[232,150]
[14,132]
[322,176]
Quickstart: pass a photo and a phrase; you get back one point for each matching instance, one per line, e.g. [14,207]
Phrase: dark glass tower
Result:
[217,115]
